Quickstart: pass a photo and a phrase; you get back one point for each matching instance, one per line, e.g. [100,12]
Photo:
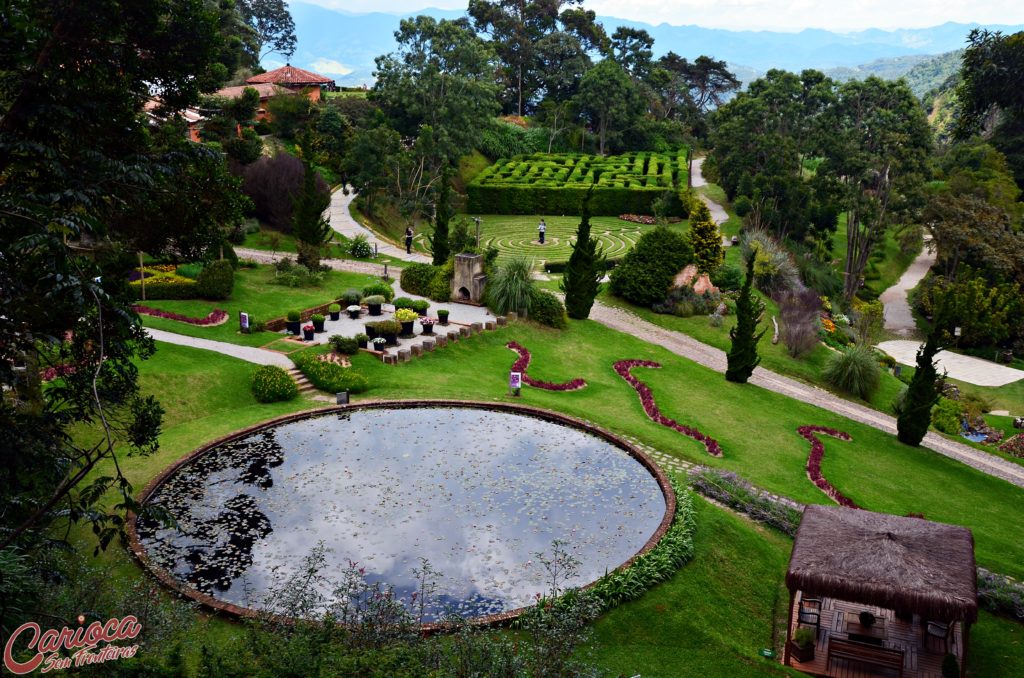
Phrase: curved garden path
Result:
[896,306]
[713,358]
[341,220]
[718,212]
[249,354]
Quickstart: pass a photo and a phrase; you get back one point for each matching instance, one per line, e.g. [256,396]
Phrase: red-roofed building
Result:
[266,91]
[295,79]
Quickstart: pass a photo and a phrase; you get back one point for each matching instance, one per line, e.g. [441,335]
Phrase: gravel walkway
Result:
[713,358]
[896,306]
[958,366]
[249,354]
[368,267]
[718,213]
[342,221]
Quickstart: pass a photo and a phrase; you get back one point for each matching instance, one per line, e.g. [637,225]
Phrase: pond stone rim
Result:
[216,605]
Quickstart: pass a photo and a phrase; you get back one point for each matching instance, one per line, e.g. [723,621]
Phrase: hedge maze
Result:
[545,183]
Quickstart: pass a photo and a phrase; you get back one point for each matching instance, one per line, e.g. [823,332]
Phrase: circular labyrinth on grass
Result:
[517,236]
[477,490]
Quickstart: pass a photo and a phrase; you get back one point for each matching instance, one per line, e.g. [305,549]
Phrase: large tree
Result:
[610,100]
[77,154]
[273,29]
[874,164]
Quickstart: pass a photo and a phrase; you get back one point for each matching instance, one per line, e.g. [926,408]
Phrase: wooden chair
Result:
[941,630]
[810,613]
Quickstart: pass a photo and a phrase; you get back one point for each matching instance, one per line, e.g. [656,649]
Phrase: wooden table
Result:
[853,628]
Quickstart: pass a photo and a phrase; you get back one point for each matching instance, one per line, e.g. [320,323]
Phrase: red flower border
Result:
[623,368]
[814,462]
[523,362]
[216,317]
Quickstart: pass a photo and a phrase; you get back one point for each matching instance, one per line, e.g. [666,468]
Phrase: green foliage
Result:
[290,114]
[511,287]
[705,239]
[309,226]
[191,271]
[987,314]
[374,300]
[742,357]
[360,247]
[611,100]
[166,287]
[346,345]
[404,315]
[317,318]
[546,309]
[545,183]
[329,376]
[774,270]
[379,288]
[439,247]
[417,278]
[505,140]
[294,315]
[350,297]
[804,637]
[216,280]
[402,302]
[586,267]
[727,277]
[271,384]
[855,371]
[334,308]
[647,270]
[946,416]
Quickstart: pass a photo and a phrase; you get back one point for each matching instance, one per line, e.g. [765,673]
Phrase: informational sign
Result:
[515,382]
[956,331]
[243,322]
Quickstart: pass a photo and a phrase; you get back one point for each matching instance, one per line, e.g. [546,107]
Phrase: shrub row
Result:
[605,201]
[329,376]
[427,280]
[167,287]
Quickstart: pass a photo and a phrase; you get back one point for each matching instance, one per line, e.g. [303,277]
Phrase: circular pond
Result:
[478,493]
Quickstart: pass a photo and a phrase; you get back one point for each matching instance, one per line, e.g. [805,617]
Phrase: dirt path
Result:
[713,358]
[896,306]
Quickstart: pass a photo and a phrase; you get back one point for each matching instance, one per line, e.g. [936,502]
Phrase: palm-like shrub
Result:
[511,288]
[855,371]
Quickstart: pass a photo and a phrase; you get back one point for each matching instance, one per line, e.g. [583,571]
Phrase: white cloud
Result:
[330,66]
[790,15]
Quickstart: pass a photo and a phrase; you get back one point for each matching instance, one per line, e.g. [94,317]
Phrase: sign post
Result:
[515,383]
[243,322]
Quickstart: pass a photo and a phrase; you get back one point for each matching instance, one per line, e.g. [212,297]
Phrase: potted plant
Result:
[442,316]
[373,303]
[801,647]
[350,296]
[407,317]
[378,343]
[428,325]
[403,302]
[389,329]
[307,332]
[353,311]
[294,322]
[335,311]
[371,329]
[421,306]
[318,322]
[362,340]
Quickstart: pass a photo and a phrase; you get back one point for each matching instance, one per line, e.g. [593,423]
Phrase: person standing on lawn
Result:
[408,240]
[541,230]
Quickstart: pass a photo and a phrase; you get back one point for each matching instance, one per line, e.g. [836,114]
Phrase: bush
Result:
[855,371]
[351,297]
[420,306]
[360,247]
[271,384]
[798,312]
[346,345]
[546,309]
[646,272]
[216,280]
[379,288]
[271,183]
[511,288]
[331,377]
[403,302]
[727,277]
[298,276]
[946,416]
[685,302]
[774,269]
[441,285]
[417,278]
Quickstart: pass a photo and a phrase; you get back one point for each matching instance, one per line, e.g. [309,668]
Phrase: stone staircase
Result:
[300,380]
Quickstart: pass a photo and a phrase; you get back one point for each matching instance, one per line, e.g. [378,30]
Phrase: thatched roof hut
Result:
[896,563]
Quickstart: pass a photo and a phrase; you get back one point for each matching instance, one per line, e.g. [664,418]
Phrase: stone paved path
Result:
[368,267]
[713,358]
[342,221]
[896,306]
[247,353]
[718,213]
[962,367]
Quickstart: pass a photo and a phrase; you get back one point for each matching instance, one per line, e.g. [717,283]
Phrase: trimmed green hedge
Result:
[547,309]
[331,377]
[556,184]
[216,280]
[416,278]
[167,287]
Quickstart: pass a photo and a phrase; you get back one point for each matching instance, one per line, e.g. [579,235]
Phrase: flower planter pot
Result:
[354,315]
[294,327]
[407,328]
[335,315]
[801,654]
[391,339]
[307,335]
[443,319]
[374,309]
[318,325]
[362,343]
[428,329]
[371,331]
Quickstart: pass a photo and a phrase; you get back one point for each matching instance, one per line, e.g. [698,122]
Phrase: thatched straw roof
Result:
[897,563]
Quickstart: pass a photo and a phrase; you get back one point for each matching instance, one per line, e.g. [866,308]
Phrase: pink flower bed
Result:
[51,373]
[814,462]
[639,219]
[216,317]
[1014,445]
[623,368]
[523,362]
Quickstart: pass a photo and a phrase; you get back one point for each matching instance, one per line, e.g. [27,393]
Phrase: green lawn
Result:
[715,614]
[274,241]
[255,294]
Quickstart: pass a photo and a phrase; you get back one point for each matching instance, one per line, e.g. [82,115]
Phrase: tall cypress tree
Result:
[743,356]
[309,226]
[916,412]
[582,279]
[705,239]
[442,215]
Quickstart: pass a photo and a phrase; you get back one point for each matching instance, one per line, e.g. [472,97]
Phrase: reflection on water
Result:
[477,493]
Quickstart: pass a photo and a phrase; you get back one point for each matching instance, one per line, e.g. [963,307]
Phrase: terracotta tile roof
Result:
[289,75]
[266,90]
[152,106]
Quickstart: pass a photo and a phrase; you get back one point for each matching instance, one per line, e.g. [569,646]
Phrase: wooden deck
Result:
[838,618]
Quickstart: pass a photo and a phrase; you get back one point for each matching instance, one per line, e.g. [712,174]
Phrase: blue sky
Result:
[788,15]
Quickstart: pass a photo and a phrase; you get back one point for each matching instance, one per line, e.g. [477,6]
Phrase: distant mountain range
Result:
[343,45]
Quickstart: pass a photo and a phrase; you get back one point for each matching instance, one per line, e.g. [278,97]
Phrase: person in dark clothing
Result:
[408,240]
